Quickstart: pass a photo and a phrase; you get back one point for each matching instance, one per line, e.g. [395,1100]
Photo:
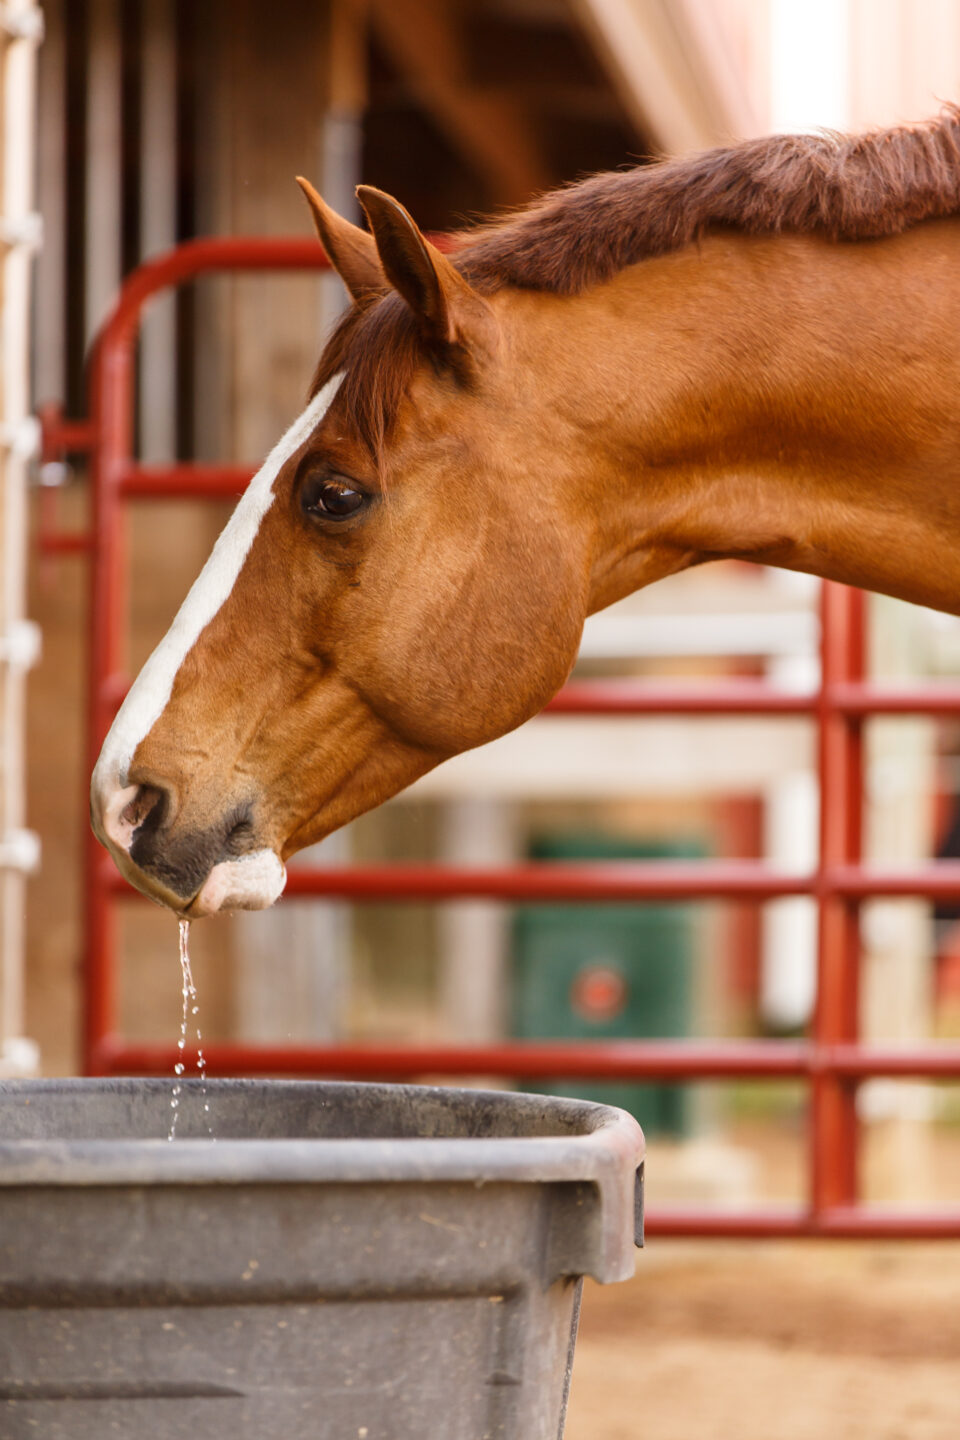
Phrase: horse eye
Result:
[336,501]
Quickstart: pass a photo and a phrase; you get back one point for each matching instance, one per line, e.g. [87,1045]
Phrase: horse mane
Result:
[845,187]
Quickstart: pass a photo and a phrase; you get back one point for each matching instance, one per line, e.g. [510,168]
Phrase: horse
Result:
[753,352]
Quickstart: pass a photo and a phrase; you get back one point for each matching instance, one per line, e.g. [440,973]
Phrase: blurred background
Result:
[154,121]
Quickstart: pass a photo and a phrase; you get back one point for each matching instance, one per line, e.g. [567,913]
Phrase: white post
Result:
[293,962]
[898,934]
[20,28]
[788,978]
[789,926]
[473,935]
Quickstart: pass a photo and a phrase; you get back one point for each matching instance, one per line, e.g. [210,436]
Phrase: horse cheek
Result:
[461,673]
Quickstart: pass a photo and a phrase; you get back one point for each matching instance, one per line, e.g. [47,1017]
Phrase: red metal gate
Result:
[832,1060]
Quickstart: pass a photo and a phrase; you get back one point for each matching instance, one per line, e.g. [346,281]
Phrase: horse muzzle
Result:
[193,871]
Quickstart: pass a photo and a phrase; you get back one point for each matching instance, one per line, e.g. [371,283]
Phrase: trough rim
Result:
[608,1152]
[610,1138]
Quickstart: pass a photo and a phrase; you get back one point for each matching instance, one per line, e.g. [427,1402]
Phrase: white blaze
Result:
[148,696]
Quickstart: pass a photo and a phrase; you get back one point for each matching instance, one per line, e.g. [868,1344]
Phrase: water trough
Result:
[343,1262]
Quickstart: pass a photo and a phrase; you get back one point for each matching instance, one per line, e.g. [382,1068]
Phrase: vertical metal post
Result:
[836,1016]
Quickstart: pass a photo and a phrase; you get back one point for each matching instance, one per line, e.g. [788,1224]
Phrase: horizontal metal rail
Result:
[570,882]
[643,1060]
[632,698]
[832,1222]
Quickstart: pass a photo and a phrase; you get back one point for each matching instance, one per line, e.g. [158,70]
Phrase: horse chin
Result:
[252,882]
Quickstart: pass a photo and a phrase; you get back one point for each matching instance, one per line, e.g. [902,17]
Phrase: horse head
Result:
[580,401]
[406,577]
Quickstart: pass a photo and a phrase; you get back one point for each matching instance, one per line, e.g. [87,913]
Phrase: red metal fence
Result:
[832,1060]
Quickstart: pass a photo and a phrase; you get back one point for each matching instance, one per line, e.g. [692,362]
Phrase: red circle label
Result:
[598,992]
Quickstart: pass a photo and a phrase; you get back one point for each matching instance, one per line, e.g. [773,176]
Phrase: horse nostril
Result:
[148,808]
[239,832]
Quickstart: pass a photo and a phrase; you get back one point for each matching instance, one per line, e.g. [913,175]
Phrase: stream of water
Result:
[189,1009]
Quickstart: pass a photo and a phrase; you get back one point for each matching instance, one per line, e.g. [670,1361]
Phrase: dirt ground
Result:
[800,1341]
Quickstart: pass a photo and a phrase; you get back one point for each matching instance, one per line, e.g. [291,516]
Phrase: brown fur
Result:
[780,397]
[848,188]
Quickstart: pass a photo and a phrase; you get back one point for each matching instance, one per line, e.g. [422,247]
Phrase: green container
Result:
[597,972]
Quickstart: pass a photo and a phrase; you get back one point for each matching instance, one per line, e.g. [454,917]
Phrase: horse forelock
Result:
[376,348]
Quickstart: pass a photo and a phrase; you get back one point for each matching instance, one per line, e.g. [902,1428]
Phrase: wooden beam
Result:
[103,226]
[50,308]
[489,129]
[158,228]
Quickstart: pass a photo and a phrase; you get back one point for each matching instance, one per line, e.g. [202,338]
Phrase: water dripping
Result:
[189,1010]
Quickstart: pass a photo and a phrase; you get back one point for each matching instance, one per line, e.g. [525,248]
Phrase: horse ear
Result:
[350,250]
[449,310]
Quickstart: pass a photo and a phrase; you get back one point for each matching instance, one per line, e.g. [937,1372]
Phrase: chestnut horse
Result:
[754,352]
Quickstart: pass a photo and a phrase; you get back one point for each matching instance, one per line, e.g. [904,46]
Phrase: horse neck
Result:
[783,400]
